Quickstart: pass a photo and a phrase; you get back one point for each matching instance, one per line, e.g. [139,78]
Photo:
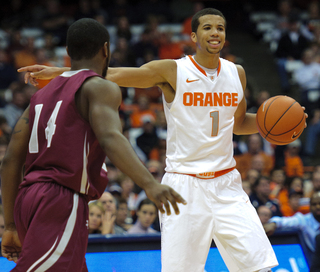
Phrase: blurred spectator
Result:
[149,138]
[260,196]
[290,47]
[146,213]
[15,108]
[96,212]
[123,28]
[123,217]
[107,201]
[55,21]
[7,72]
[293,161]
[309,223]
[264,214]
[294,204]
[277,183]
[307,77]
[127,185]
[244,161]
[110,209]
[144,110]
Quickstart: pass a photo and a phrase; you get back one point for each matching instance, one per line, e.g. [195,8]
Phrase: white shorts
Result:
[217,209]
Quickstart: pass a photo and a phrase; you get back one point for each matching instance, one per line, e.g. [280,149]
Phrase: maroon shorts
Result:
[51,222]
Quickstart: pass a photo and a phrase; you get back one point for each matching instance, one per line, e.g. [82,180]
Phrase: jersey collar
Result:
[200,69]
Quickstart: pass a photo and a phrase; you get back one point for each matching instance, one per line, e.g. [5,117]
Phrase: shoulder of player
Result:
[99,84]
[166,66]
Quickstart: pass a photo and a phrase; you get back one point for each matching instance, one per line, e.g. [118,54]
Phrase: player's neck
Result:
[211,62]
[83,64]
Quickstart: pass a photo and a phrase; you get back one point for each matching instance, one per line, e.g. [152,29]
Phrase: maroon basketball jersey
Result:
[62,146]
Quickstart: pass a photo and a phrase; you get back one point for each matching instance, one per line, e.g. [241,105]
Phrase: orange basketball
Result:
[280,120]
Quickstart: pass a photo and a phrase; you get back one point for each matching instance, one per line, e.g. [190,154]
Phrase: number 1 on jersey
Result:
[215,123]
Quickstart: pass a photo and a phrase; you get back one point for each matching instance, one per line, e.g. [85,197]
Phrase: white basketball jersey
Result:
[201,117]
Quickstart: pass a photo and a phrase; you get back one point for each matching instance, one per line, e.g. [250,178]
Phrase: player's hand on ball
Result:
[161,195]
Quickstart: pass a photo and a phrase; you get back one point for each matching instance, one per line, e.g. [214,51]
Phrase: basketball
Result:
[280,120]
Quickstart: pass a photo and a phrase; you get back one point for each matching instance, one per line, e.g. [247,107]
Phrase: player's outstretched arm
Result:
[103,99]
[148,75]
[34,72]
[11,177]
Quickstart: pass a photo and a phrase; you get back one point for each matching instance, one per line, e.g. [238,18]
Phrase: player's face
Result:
[122,212]
[147,215]
[211,34]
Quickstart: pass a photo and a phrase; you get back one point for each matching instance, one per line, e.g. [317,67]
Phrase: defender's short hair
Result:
[85,38]
[195,19]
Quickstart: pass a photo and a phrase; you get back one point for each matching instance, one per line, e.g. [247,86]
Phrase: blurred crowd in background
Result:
[279,179]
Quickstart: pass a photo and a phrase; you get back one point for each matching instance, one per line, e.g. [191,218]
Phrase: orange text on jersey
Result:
[198,99]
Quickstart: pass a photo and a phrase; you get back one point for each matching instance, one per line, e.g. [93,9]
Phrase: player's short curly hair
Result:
[85,38]
[211,11]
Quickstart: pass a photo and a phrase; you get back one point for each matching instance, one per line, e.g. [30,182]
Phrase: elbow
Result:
[111,141]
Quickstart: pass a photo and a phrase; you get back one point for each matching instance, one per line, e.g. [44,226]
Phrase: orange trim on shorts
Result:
[200,69]
[209,175]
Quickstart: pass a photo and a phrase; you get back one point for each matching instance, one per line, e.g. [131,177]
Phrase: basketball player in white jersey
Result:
[204,105]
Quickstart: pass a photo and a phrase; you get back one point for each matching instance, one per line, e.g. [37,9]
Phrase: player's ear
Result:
[106,49]
[193,37]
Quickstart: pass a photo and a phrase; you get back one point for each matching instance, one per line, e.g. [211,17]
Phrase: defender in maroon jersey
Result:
[58,146]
